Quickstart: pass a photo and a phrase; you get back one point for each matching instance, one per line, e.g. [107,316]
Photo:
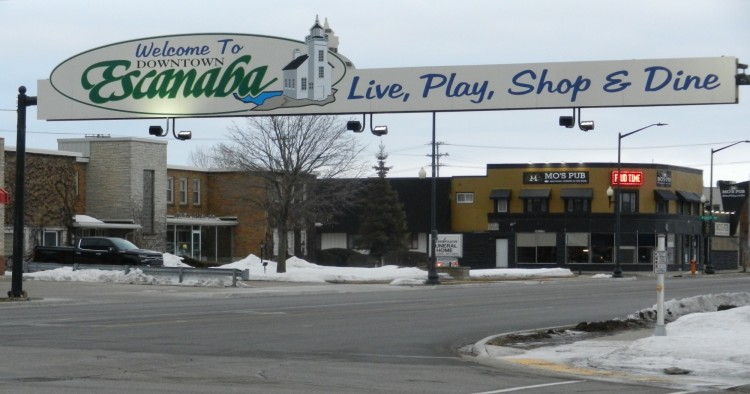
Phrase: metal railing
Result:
[179,272]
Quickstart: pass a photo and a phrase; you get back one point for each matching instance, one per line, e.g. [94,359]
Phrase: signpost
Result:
[660,268]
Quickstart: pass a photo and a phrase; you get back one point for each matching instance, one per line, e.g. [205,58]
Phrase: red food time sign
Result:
[627,178]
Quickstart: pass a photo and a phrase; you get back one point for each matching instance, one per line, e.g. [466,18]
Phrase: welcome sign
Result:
[244,75]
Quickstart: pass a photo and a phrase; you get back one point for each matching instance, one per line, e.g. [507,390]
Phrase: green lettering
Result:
[251,82]
[138,92]
[97,92]
[205,83]
[235,75]
[111,81]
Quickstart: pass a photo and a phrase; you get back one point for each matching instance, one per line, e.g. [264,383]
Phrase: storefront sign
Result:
[627,178]
[549,177]
[721,229]
[245,75]
[733,198]
[663,178]
[449,245]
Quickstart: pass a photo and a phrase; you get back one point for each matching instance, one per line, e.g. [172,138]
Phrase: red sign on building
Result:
[626,178]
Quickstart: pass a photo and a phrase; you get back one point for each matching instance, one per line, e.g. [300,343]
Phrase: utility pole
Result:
[438,155]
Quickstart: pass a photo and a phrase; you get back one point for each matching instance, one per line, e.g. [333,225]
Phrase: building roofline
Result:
[573,165]
[52,152]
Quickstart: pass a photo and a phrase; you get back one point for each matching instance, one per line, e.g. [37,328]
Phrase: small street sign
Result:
[709,217]
[660,262]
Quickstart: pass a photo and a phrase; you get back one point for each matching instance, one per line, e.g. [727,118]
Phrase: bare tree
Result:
[291,157]
[50,194]
[201,157]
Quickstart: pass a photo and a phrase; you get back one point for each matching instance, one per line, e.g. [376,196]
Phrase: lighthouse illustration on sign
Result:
[308,76]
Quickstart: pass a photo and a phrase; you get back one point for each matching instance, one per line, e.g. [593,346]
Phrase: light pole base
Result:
[617,273]
[660,330]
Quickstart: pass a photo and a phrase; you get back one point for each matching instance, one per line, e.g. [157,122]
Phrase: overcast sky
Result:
[37,35]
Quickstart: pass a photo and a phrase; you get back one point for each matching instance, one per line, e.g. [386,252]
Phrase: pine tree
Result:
[383,224]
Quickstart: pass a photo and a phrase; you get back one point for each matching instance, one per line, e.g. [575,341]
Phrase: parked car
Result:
[98,250]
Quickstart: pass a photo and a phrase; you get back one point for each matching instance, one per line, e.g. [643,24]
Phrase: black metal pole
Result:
[709,269]
[618,202]
[618,211]
[18,205]
[432,275]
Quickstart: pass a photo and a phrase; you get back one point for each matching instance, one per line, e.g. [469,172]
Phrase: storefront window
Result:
[601,248]
[207,243]
[577,248]
[536,247]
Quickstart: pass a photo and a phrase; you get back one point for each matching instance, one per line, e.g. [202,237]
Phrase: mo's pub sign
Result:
[553,177]
[243,75]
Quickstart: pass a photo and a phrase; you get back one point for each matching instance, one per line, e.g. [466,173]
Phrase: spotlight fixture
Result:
[357,127]
[742,78]
[157,131]
[567,121]
[586,125]
[380,131]
[354,125]
[570,121]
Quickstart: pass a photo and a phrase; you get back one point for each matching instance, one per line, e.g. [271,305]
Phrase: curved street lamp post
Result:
[618,202]
[709,266]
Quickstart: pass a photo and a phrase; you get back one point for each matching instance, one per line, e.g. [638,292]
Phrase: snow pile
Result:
[674,309]
[297,270]
[706,344]
[710,346]
[521,273]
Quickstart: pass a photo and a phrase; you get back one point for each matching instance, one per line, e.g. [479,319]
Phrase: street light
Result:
[704,232]
[432,275]
[709,267]
[618,202]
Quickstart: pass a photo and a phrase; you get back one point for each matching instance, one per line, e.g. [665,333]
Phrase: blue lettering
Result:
[478,90]
[516,82]
[660,77]
[376,91]
[149,50]
[564,86]
[652,71]
[429,84]
[615,84]
[352,96]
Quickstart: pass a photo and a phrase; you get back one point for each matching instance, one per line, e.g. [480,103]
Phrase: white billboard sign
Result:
[449,245]
[244,75]
[721,229]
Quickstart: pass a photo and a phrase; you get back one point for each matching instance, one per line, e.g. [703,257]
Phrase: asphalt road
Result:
[288,338]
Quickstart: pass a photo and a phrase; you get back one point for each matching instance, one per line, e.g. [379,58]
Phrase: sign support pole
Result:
[660,267]
[18,205]
[432,275]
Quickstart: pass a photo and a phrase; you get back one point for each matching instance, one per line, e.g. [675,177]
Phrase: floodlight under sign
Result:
[157,131]
[380,130]
[354,125]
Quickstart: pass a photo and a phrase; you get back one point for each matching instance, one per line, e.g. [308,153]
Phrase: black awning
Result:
[688,196]
[579,192]
[500,194]
[534,193]
[664,194]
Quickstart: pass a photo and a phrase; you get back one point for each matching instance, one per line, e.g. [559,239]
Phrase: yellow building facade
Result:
[531,215]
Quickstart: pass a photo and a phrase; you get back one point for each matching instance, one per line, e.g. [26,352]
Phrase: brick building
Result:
[123,187]
[517,215]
